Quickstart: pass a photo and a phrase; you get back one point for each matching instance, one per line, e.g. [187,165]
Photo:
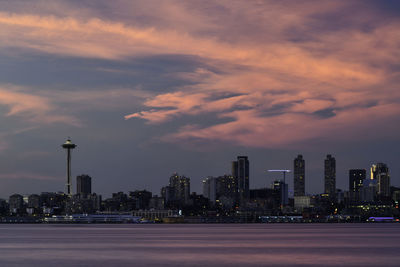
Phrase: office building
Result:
[356,180]
[368,191]
[240,172]
[210,188]
[330,177]
[83,184]
[299,176]
[216,187]
[380,173]
[180,187]
[282,189]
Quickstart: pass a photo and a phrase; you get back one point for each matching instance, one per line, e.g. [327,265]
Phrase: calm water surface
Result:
[201,245]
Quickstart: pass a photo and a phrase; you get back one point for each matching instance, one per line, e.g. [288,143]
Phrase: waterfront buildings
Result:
[225,198]
[330,176]
[299,176]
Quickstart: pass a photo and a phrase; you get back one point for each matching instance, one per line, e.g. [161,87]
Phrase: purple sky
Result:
[147,88]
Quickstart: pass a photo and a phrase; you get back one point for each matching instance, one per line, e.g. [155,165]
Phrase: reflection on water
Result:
[200,245]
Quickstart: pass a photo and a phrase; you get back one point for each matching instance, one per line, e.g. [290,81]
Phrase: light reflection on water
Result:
[200,245]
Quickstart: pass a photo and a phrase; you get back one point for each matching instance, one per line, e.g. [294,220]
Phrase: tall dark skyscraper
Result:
[84,184]
[356,180]
[330,176]
[299,176]
[380,173]
[240,172]
[282,188]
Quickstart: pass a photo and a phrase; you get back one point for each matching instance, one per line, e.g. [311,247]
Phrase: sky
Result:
[149,88]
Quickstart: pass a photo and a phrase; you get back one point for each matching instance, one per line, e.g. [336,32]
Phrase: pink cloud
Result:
[277,83]
[31,107]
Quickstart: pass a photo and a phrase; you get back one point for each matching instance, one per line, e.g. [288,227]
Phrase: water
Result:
[201,245]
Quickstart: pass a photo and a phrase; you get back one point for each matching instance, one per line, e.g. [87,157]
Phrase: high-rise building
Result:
[356,180]
[368,191]
[216,187]
[83,184]
[282,188]
[240,172]
[299,176]
[180,186]
[210,188]
[330,176]
[380,173]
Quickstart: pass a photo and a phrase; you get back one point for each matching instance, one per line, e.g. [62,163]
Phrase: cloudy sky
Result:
[148,88]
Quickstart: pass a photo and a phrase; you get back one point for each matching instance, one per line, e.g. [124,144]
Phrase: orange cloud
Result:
[267,67]
[34,108]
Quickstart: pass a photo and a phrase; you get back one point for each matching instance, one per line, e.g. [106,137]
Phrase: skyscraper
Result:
[330,176]
[240,172]
[299,176]
[83,184]
[180,186]
[380,173]
[282,189]
[356,180]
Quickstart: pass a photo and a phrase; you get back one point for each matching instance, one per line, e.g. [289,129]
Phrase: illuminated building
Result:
[83,184]
[356,180]
[240,172]
[330,176]
[301,202]
[179,189]
[216,187]
[380,173]
[299,176]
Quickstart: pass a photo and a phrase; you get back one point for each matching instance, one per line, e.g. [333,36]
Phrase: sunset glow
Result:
[155,76]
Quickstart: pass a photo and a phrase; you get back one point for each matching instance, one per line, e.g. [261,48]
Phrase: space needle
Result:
[68,145]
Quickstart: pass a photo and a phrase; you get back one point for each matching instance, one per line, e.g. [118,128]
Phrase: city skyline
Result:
[379,173]
[147,89]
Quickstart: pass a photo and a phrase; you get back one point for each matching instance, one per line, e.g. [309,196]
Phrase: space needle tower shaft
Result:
[68,145]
